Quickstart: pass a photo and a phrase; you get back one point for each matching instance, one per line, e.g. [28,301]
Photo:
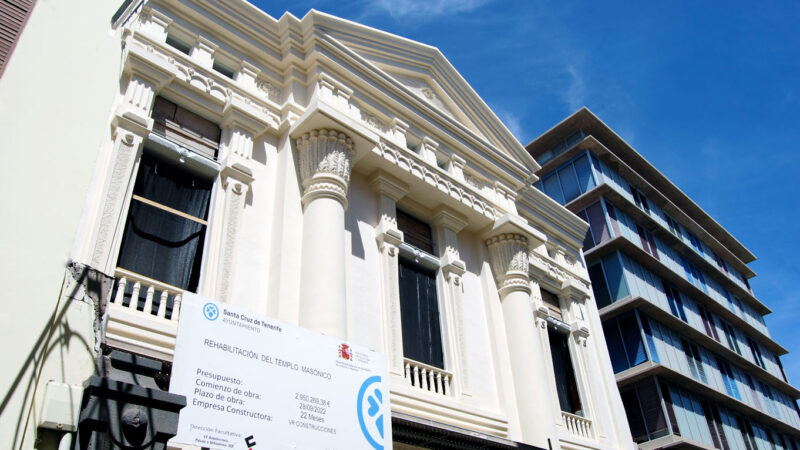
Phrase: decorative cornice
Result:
[384,184]
[409,162]
[326,158]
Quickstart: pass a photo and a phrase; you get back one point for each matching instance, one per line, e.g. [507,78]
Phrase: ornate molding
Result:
[326,158]
[508,257]
[409,162]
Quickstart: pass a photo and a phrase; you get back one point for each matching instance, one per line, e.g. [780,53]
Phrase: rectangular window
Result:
[419,314]
[639,199]
[415,232]
[730,336]
[753,392]
[698,246]
[728,378]
[588,240]
[597,223]
[166,225]
[695,361]
[612,217]
[615,276]
[599,286]
[648,336]
[644,411]
[756,353]
[770,400]
[780,366]
[624,341]
[694,275]
[566,385]
[584,171]
[674,300]
[721,263]
[647,240]
[553,188]
[747,433]
[550,300]
[674,226]
[186,128]
[708,323]
[673,421]
[569,183]
[714,422]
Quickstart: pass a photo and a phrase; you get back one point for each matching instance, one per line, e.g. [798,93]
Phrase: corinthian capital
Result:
[326,157]
[508,256]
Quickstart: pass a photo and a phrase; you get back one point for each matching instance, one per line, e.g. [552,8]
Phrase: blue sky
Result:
[709,92]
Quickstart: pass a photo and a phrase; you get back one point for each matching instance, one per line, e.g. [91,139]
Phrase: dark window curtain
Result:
[170,186]
[159,244]
[566,386]
[419,315]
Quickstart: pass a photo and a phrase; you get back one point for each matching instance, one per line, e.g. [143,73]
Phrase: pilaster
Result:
[448,224]
[389,190]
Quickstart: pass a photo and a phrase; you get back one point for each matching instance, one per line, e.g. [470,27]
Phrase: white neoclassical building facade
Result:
[320,172]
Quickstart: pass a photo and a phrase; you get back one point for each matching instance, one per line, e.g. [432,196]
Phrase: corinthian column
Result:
[508,254]
[325,163]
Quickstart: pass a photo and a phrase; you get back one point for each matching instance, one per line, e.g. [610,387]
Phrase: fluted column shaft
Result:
[325,163]
[509,260]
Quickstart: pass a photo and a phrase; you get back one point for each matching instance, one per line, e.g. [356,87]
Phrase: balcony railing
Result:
[578,426]
[428,378]
[143,315]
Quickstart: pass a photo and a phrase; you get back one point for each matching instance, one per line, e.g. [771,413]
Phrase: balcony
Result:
[427,378]
[577,426]
[143,315]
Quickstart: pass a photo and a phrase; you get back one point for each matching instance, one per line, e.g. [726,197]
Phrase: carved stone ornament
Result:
[326,158]
[508,256]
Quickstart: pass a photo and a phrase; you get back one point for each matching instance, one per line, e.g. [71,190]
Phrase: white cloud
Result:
[425,9]
[511,121]
[576,90]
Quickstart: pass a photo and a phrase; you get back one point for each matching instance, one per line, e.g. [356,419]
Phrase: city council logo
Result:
[370,411]
[211,311]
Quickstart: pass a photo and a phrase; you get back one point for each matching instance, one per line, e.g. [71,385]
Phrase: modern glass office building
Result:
[693,358]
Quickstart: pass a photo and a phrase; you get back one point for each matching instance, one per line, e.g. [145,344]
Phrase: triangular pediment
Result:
[424,73]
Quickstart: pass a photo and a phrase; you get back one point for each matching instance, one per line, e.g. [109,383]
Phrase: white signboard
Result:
[252,382]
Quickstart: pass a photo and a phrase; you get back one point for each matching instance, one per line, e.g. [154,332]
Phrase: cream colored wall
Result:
[54,112]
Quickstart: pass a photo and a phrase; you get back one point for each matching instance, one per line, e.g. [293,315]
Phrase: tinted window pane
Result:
[597,222]
[616,349]
[632,338]
[617,286]
[599,287]
[569,183]
[584,171]
[552,188]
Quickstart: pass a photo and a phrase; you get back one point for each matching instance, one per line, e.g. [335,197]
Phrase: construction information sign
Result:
[252,382]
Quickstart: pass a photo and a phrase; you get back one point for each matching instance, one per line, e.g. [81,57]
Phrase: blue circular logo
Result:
[211,311]
[369,408]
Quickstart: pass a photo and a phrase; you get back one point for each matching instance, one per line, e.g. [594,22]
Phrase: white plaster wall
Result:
[251,277]
[54,110]
[363,266]
[482,368]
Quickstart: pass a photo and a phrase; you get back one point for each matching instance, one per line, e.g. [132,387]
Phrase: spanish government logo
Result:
[345,352]
[369,410]
[211,311]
